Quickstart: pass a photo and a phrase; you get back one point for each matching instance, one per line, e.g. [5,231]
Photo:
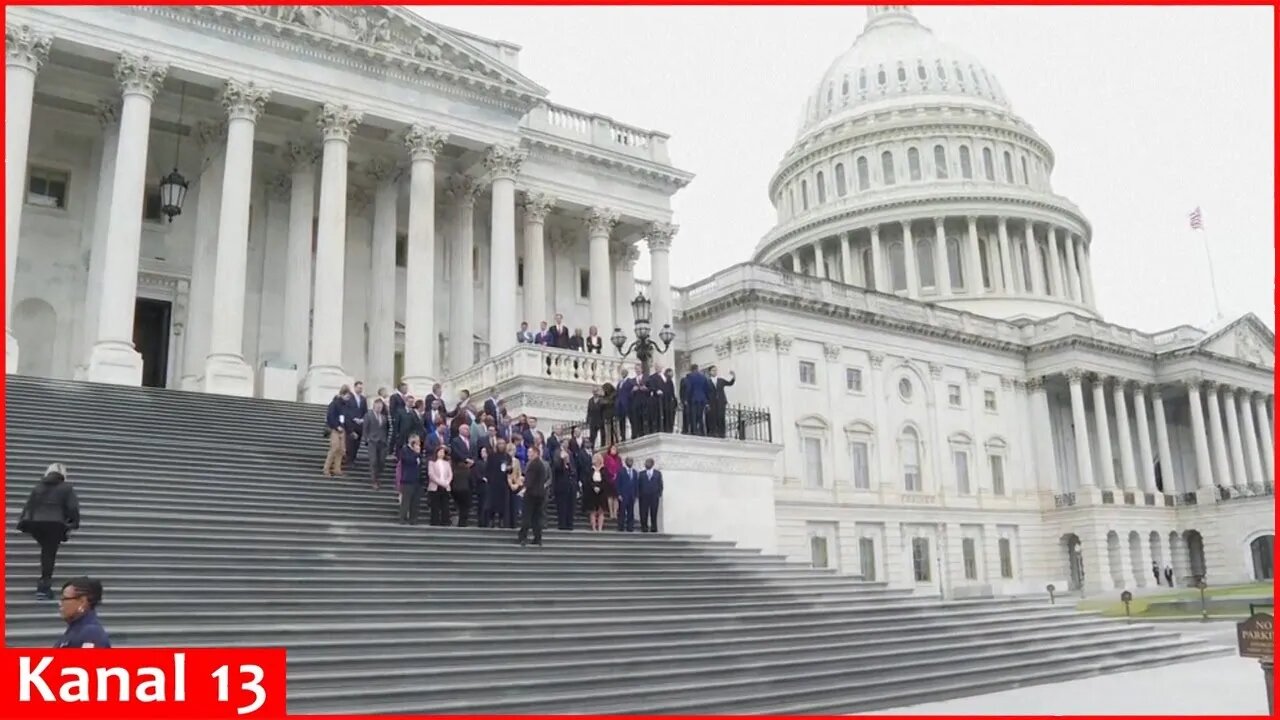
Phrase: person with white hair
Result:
[51,513]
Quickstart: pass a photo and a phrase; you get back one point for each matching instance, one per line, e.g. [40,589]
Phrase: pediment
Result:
[1246,339]
[393,33]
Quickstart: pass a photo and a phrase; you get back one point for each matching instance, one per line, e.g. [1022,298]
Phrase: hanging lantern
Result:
[173,190]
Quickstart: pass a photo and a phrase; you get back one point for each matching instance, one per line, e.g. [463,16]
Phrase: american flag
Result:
[1197,220]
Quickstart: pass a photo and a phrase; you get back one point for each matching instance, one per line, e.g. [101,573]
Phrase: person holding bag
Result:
[52,511]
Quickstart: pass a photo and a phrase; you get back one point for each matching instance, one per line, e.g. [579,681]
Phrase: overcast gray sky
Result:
[1151,111]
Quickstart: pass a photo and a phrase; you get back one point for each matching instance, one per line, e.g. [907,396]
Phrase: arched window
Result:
[864,174]
[1008,168]
[940,161]
[844,86]
[1043,249]
[966,163]
[882,78]
[822,187]
[1026,176]
[913,163]
[886,167]
[897,267]
[909,456]
[924,263]
[868,269]
[831,91]
[862,79]
[921,72]
[902,73]
[959,75]
[988,164]
[791,199]
[976,85]
[804,193]
[955,263]
[842,187]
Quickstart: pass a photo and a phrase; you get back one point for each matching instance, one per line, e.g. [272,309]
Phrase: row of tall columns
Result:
[1234,457]
[1068,278]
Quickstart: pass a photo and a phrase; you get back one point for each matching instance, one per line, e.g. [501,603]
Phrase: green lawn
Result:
[1141,605]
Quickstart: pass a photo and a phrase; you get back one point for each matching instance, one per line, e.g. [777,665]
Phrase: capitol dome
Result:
[911,175]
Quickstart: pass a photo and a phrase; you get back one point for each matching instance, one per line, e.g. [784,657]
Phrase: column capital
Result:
[1100,379]
[601,221]
[503,161]
[1193,382]
[875,232]
[243,100]
[108,112]
[1212,386]
[338,122]
[210,132]
[424,142]
[280,186]
[973,376]
[463,189]
[537,206]
[1141,388]
[1035,384]
[140,75]
[1157,393]
[301,156]
[971,219]
[358,199]
[658,235]
[26,47]
[628,257]
[906,226]
[1003,222]
[1118,387]
[381,170]
[939,222]
[1075,376]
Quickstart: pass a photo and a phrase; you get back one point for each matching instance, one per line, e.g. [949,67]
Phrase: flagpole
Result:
[1213,278]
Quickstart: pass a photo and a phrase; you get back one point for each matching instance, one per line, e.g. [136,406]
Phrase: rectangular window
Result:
[920,559]
[970,550]
[584,283]
[853,379]
[1006,559]
[867,558]
[47,187]
[989,400]
[402,249]
[398,365]
[997,474]
[818,556]
[808,373]
[812,463]
[960,459]
[151,204]
[954,397]
[859,457]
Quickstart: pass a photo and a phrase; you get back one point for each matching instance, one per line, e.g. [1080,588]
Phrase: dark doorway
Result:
[1261,549]
[151,339]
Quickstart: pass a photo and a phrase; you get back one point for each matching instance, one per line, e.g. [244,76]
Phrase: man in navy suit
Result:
[622,407]
[700,390]
[650,491]
[559,334]
[628,487]
[357,406]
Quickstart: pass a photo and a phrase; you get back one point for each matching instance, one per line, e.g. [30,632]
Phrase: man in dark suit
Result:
[543,336]
[357,406]
[491,406]
[628,486]
[718,402]
[462,454]
[700,390]
[560,334]
[622,407]
[536,477]
[686,412]
[650,491]
[395,408]
[669,401]
[595,415]
[414,423]
[524,335]
[652,412]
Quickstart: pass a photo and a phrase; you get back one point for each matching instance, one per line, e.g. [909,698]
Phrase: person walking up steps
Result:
[51,513]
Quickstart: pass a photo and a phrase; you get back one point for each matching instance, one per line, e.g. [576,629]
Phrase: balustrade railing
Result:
[539,361]
[598,131]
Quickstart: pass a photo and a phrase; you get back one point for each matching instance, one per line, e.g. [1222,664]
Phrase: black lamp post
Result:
[643,346]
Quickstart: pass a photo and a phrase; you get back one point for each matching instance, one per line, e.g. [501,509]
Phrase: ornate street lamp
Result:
[643,347]
[173,187]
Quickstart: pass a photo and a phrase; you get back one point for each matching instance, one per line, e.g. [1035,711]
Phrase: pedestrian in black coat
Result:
[51,512]
[563,477]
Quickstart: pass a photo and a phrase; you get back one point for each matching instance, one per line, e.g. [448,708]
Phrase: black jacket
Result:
[536,476]
[52,500]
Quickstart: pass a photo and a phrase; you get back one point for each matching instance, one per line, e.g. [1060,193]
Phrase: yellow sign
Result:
[1254,636]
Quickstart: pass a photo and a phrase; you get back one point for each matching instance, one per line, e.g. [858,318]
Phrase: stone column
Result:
[659,237]
[1033,258]
[1055,263]
[380,361]
[420,372]
[1162,442]
[113,359]
[25,51]
[301,158]
[1250,431]
[877,261]
[1124,437]
[1235,445]
[503,164]
[1040,414]
[212,136]
[941,263]
[909,260]
[225,369]
[109,117]
[325,374]
[846,258]
[795,263]
[1086,276]
[977,287]
[1144,441]
[1264,434]
[462,190]
[819,261]
[624,290]
[1084,459]
[1105,458]
[1217,438]
[600,222]
[536,208]
[1073,271]
[1006,255]
[1204,469]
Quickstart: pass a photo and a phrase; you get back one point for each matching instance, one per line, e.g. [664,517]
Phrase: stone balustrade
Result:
[541,363]
[598,131]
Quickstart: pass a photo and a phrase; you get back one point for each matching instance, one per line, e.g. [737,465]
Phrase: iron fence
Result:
[742,423]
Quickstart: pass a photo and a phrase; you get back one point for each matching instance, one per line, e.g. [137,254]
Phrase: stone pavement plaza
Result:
[1226,685]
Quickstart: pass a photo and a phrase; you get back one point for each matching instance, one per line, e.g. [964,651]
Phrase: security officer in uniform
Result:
[78,607]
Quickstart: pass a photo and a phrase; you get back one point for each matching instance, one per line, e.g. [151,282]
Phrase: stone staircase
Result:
[209,523]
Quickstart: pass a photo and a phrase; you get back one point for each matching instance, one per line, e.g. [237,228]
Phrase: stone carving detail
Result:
[1075,376]
[108,112]
[1035,384]
[368,25]
[463,189]
[877,360]
[243,100]
[210,133]
[1006,383]
[600,221]
[503,161]
[139,74]
[280,186]
[765,340]
[1193,382]
[25,46]
[381,170]
[537,206]
[784,344]
[301,155]
[1247,346]
[935,370]
[832,351]
[741,342]
[659,235]
[338,122]
[724,348]
[424,142]
[973,375]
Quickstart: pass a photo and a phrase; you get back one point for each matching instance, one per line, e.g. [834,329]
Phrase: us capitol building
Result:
[272,201]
